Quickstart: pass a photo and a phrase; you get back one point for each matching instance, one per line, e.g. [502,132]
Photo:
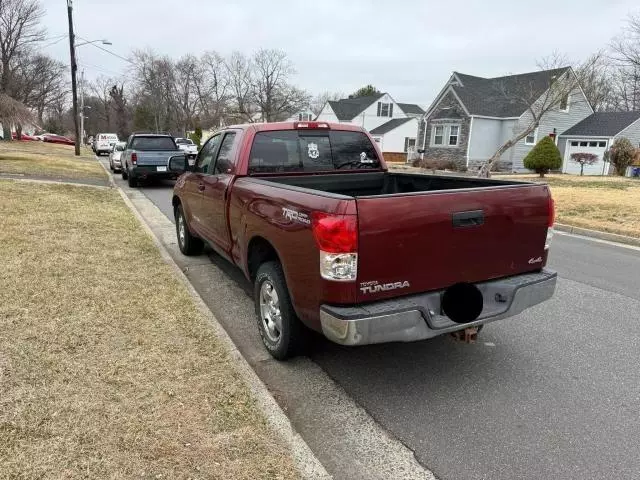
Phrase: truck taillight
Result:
[311,125]
[551,220]
[337,239]
[134,158]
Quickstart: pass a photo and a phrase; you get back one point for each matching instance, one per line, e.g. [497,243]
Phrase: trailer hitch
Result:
[468,335]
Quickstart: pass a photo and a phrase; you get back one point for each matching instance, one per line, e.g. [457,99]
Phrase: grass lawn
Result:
[49,160]
[607,204]
[107,369]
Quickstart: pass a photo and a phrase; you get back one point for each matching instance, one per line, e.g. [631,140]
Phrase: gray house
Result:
[595,134]
[472,117]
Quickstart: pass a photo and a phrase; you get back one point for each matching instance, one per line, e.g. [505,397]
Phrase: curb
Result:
[609,237]
[304,459]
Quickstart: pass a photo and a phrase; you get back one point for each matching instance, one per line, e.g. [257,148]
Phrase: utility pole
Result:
[82,107]
[74,68]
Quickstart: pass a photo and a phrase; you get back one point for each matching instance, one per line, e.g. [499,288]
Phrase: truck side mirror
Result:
[178,164]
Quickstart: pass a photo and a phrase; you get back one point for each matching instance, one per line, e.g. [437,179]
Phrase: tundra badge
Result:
[374,286]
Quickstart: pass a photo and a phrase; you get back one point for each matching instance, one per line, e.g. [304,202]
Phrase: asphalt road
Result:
[551,394]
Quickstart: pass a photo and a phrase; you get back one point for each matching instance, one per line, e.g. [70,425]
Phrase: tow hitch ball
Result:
[468,335]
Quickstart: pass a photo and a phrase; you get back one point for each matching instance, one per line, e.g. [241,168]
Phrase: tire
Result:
[282,332]
[189,244]
[111,166]
[133,182]
[123,171]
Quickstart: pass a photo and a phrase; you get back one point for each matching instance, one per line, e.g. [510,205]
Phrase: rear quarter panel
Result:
[256,210]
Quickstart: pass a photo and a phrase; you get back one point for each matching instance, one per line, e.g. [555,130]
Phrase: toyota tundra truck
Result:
[334,242]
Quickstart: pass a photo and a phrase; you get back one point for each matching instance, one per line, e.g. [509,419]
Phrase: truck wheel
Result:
[189,245]
[124,172]
[132,180]
[282,332]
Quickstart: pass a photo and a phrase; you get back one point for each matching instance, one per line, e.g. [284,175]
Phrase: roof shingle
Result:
[411,108]
[603,124]
[349,108]
[390,125]
[498,97]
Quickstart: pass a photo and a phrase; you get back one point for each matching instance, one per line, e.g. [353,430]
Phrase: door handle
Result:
[201,187]
[473,218]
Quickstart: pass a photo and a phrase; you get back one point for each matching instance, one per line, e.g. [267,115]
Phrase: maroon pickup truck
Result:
[334,242]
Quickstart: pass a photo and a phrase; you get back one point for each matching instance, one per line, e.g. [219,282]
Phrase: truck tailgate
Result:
[160,158]
[428,241]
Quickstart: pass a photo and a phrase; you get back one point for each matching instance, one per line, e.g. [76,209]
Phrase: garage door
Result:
[596,147]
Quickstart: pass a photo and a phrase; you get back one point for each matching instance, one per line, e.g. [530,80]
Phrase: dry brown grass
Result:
[607,204]
[49,160]
[107,369]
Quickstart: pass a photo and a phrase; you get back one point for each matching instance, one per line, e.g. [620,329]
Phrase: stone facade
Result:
[501,166]
[449,111]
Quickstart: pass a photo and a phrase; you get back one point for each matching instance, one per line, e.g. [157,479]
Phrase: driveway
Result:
[552,393]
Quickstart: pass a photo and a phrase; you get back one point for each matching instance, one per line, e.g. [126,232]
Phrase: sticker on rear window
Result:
[313,151]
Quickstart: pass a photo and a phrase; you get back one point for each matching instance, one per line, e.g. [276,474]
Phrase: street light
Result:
[101,40]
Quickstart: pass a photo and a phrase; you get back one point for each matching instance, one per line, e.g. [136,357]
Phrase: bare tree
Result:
[101,90]
[215,92]
[626,57]
[536,101]
[239,70]
[320,100]
[119,104]
[12,112]
[19,29]
[189,76]
[276,98]
[594,75]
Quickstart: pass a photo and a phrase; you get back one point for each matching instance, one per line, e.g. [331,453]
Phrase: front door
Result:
[195,185]
[215,197]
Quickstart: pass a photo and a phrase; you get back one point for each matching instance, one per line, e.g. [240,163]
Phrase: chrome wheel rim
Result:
[270,313]
[181,230]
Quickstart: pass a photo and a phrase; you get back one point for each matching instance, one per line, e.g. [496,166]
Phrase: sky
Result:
[407,48]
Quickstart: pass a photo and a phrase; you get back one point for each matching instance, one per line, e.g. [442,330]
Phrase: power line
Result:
[54,42]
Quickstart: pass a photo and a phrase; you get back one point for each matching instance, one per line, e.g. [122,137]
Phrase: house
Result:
[392,125]
[595,134]
[302,116]
[472,117]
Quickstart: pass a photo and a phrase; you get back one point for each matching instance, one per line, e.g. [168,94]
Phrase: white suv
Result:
[104,142]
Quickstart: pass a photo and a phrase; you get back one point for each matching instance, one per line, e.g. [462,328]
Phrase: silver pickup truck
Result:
[147,155]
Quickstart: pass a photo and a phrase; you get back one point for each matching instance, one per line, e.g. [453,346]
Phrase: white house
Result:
[302,116]
[394,126]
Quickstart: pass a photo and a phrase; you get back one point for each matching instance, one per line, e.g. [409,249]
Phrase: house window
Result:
[593,144]
[564,103]
[575,144]
[438,135]
[531,138]
[305,117]
[385,109]
[584,144]
[454,131]
[602,144]
[409,144]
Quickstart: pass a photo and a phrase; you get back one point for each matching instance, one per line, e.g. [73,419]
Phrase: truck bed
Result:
[384,183]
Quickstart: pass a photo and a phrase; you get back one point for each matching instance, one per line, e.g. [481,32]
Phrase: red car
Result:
[24,137]
[58,139]
[334,242]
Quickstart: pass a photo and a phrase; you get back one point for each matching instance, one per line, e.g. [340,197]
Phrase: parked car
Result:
[104,142]
[25,137]
[147,155]
[53,138]
[188,146]
[334,242]
[114,157]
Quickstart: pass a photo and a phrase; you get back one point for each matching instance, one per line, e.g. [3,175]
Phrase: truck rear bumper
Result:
[418,317]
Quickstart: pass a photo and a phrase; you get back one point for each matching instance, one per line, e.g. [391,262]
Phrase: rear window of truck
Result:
[153,144]
[311,150]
